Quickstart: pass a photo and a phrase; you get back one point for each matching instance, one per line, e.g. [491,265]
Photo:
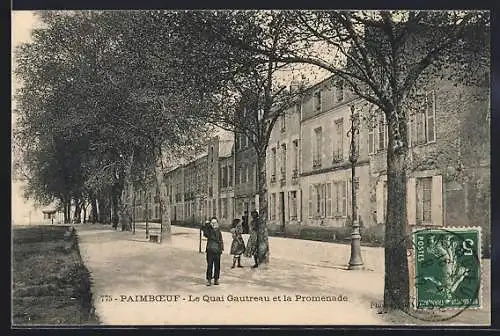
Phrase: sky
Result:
[23,212]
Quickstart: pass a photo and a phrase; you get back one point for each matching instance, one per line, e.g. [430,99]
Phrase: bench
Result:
[317,234]
[154,238]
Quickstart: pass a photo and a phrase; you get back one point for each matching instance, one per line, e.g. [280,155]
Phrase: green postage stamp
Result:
[447,265]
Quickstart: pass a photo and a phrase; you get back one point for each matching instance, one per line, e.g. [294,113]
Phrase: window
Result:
[338,146]
[214,207]
[382,132]
[283,162]
[424,200]
[371,140]
[223,208]
[318,144]
[272,208]
[221,176]
[317,201]
[298,108]
[292,205]
[339,91]
[230,175]
[430,112]
[328,200]
[317,100]
[212,153]
[224,176]
[309,202]
[243,177]
[339,199]
[422,123]
[237,176]
[273,162]
[283,123]
[295,158]
[249,171]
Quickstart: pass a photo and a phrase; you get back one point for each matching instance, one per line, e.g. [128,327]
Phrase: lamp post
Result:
[356,262]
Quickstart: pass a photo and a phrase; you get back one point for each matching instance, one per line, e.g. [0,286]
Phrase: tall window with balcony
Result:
[273,165]
[422,123]
[318,147]
[338,144]
[283,163]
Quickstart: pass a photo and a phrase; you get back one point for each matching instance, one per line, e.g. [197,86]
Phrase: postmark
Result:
[444,272]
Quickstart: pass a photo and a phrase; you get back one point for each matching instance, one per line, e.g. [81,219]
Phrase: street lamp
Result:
[356,262]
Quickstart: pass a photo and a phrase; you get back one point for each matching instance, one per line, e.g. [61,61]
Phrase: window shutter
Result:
[344,198]
[328,199]
[323,200]
[437,200]
[379,194]
[431,116]
[310,200]
[411,201]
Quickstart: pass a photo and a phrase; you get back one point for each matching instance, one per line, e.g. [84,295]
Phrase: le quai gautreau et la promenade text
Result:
[222,298]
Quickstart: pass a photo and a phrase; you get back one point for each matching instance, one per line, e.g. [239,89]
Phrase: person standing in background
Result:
[238,244]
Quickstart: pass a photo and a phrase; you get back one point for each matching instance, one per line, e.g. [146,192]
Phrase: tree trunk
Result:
[396,285]
[67,211]
[93,212]
[164,204]
[104,209]
[263,235]
[125,206]
[84,210]
[78,211]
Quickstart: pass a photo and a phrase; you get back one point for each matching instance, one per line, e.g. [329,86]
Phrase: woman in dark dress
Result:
[238,245]
[252,249]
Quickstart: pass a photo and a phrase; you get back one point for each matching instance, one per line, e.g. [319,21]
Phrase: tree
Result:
[251,93]
[383,57]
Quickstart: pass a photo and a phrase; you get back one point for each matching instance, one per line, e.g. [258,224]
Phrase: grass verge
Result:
[51,285]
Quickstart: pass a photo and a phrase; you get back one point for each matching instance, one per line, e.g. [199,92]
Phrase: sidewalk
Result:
[123,265]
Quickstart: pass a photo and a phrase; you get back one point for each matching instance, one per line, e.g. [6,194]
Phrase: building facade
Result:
[309,173]
[283,167]
[245,176]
